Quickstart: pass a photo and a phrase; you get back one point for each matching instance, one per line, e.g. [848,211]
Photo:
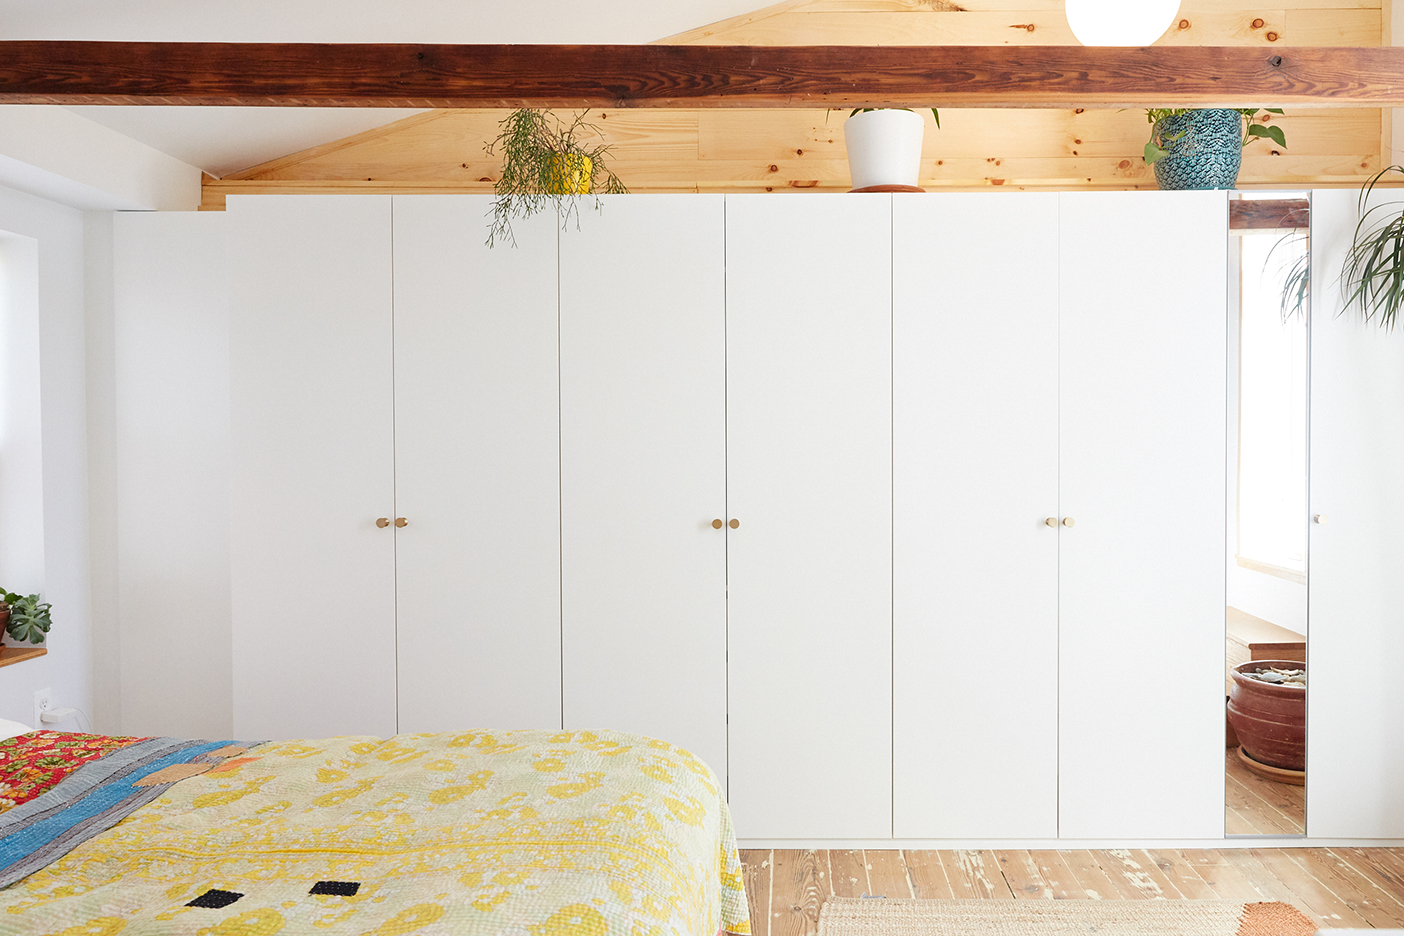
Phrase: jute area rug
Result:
[857,916]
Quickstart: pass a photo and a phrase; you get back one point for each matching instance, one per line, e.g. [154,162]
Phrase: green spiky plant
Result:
[29,617]
[1296,284]
[1158,146]
[1372,276]
[863,110]
[547,163]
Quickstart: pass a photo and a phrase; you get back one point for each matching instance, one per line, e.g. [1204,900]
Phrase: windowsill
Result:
[1291,575]
[9,655]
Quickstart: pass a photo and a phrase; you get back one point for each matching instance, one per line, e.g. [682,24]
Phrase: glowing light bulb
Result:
[1120,22]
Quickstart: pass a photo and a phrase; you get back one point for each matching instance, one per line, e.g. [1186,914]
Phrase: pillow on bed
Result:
[8,729]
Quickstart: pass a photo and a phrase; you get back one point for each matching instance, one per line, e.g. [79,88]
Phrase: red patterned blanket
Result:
[32,764]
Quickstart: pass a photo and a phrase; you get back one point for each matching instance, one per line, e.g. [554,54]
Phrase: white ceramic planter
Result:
[884,147]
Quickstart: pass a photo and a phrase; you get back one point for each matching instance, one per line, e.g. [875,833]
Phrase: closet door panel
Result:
[975,475]
[1144,429]
[643,462]
[477,468]
[313,466]
[1355,710]
[809,468]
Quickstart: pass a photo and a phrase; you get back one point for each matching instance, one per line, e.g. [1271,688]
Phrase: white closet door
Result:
[975,475]
[809,479]
[643,471]
[313,466]
[1144,390]
[1355,711]
[477,469]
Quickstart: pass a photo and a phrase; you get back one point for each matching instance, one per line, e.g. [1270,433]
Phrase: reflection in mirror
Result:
[1266,617]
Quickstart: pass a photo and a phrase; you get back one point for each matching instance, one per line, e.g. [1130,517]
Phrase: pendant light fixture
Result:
[1120,22]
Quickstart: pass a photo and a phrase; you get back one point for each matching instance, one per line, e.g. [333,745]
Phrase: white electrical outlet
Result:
[43,701]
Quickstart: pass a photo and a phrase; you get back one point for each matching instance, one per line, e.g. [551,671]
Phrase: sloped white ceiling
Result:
[222,140]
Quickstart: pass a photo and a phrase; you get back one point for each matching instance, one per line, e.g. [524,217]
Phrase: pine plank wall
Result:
[799,150]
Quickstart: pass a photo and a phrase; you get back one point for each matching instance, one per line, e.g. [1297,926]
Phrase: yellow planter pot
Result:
[571,175]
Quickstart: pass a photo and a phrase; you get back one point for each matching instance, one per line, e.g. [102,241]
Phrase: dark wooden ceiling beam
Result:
[1269,214]
[298,74]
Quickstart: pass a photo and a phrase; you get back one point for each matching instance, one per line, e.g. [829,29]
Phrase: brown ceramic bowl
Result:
[1270,720]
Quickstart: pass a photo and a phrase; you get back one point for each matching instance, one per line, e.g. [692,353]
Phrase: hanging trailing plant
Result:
[547,163]
[1372,276]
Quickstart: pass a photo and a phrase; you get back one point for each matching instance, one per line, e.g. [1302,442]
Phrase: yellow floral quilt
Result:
[510,833]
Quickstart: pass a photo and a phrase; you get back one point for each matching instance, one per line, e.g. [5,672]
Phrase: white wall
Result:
[58,231]
[102,472]
[21,435]
[56,154]
[171,357]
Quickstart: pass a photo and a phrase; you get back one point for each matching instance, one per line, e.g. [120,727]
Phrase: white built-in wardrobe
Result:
[867,500]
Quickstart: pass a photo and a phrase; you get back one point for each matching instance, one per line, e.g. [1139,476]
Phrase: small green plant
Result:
[1296,285]
[29,617]
[865,110]
[1158,146]
[547,162]
[1372,276]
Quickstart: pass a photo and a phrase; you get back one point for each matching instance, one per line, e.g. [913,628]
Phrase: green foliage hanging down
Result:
[1372,276]
[29,617]
[547,163]
[1296,286]
[1158,147]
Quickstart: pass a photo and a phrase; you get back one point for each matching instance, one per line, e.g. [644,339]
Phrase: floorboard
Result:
[1344,887]
[1255,805]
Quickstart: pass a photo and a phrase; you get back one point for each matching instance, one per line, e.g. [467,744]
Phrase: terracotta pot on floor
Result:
[1270,720]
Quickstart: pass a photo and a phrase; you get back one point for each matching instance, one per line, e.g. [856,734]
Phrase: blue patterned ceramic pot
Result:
[1206,156]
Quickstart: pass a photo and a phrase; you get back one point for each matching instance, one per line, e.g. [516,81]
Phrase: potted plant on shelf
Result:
[1372,275]
[547,162]
[23,617]
[884,148]
[1202,149]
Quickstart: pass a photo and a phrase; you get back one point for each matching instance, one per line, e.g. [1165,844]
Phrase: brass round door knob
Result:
[734,524]
[1069,522]
[401,522]
[383,522]
[717,524]
[1051,521]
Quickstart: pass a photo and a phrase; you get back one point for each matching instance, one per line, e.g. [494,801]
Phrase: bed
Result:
[484,833]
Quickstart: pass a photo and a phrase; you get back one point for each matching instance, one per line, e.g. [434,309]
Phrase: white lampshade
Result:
[1120,22]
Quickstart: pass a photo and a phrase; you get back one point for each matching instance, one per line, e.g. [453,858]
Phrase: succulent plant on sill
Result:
[547,163]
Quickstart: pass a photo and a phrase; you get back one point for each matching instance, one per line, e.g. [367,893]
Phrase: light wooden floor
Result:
[1341,887]
[1255,805]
